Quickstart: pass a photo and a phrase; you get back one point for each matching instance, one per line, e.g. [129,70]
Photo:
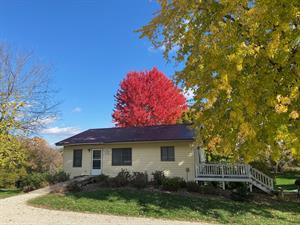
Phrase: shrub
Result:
[101,178]
[122,179]
[192,186]
[33,181]
[182,183]
[139,179]
[158,177]
[209,189]
[172,184]
[112,182]
[58,177]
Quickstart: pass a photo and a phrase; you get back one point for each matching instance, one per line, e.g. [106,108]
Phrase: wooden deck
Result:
[234,173]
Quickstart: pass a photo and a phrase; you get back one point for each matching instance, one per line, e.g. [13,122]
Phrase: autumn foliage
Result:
[148,98]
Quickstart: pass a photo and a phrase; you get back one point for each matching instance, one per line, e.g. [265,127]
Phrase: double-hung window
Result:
[121,157]
[77,158]
[167,153]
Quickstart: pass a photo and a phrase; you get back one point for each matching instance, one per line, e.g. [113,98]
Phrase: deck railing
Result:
[262,178]
[223,170]
[234,171]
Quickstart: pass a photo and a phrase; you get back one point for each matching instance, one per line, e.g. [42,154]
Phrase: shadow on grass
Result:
[288,187]
[194,208]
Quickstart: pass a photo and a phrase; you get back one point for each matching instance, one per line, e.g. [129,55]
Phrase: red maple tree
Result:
[148,98]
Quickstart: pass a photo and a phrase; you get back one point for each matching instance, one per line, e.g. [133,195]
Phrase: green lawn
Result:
[287,181]
[163,205]
[4,193]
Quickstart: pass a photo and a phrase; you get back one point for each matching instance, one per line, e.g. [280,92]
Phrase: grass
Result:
[286,181]
[169,206]
[4,193]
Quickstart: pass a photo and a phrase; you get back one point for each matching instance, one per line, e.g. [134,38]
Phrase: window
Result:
[121,157]
[167,153]
[77,158]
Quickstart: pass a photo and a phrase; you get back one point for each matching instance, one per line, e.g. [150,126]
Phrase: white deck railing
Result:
[225,172]
[262,178]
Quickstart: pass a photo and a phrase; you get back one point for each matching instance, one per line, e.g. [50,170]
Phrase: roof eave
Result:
[120,142]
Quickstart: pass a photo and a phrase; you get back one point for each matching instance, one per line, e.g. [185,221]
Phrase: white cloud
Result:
[48,120]
[77,110]
[60,131]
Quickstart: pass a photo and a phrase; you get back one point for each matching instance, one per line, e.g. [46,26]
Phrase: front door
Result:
[96,162]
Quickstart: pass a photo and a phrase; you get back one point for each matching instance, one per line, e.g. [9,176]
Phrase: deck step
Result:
[261,187]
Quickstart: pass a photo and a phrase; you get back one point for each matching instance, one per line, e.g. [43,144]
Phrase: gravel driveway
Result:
[15,211]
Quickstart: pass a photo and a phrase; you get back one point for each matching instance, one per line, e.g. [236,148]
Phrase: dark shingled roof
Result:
[131,134]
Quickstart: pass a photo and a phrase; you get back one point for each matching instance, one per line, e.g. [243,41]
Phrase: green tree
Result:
[188,117]
[242,60]
[12,160]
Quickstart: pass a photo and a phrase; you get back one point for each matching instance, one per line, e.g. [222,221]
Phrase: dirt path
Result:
[15,211]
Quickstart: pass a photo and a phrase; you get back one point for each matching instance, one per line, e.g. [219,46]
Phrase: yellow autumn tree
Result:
[242,60]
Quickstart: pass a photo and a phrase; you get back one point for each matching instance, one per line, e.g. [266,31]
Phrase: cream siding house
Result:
[167,148]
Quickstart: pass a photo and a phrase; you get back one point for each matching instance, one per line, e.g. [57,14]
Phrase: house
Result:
[168,148]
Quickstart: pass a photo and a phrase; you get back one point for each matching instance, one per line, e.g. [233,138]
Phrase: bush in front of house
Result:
[139,180]
[101,178]
[192,186]
[182,183]
[172,184]
[158,178]
[33,181]
[121,180]
[210,189]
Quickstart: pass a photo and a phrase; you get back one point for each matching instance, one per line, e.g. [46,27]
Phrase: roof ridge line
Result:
[167,125]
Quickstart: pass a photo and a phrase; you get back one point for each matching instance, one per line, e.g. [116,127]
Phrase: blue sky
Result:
[91,45]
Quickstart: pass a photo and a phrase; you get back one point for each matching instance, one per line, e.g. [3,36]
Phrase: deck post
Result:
[223,183]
